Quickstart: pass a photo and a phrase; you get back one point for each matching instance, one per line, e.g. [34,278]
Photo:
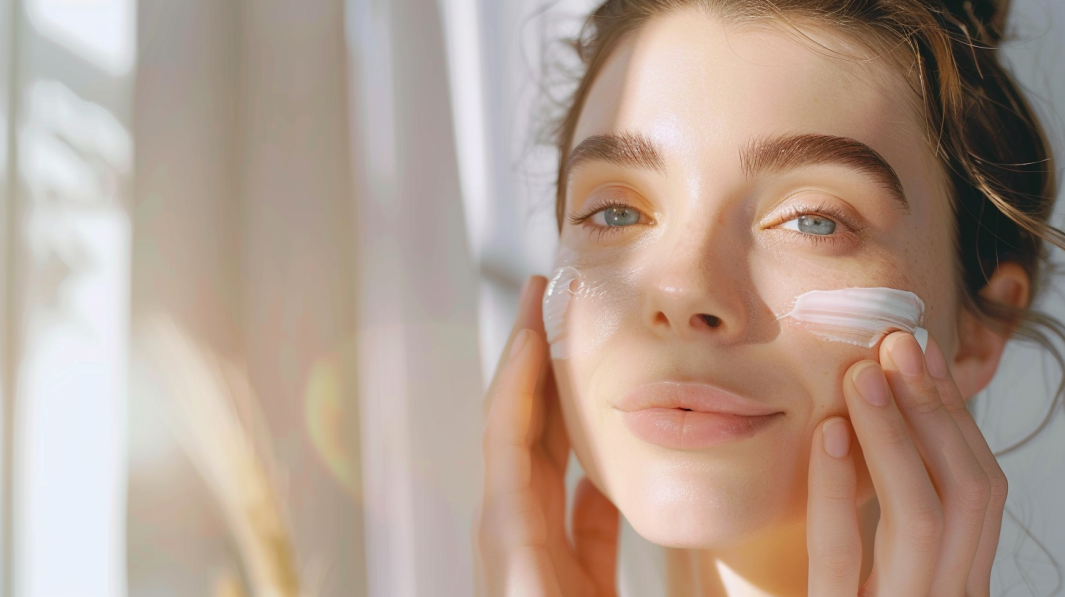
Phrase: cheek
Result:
[583,309]
[819,367]
[583,416]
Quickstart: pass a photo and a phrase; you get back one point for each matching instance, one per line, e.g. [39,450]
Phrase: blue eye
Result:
[811,224]
[618,216]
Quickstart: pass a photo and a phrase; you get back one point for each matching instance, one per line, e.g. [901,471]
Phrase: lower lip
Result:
[690,430]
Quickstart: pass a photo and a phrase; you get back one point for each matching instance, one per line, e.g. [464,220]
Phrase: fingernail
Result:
[837,437]
[937,365]
[906,353]
[871,384]
[519,341]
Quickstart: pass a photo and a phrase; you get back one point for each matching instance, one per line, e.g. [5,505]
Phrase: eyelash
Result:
[601,230]
[823,209]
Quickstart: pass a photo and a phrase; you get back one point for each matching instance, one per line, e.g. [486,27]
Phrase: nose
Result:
[696,293]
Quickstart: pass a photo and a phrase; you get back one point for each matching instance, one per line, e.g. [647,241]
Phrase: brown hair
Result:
[987,138]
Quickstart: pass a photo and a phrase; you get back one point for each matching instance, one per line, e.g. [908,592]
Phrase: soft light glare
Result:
[102,31]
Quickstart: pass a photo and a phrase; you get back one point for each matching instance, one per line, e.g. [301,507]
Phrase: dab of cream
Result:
[604,301]
[860,316]
[565,283]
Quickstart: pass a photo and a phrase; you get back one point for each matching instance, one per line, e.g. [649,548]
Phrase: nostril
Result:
[711,320]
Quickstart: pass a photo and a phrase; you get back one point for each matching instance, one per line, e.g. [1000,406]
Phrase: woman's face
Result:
[713,142]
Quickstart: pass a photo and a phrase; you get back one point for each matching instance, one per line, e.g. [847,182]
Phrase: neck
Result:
[773,565]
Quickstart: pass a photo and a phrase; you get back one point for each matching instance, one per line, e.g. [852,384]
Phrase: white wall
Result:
[1019,397]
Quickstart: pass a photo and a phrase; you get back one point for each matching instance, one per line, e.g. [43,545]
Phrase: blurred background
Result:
[258,260]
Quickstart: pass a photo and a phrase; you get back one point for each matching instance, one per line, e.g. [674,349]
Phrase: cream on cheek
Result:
[859,316]
[601,298]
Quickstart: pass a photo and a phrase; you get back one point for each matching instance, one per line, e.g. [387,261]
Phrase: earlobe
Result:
[979,347]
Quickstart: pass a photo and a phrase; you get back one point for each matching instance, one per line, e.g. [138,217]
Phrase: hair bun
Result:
[985,19]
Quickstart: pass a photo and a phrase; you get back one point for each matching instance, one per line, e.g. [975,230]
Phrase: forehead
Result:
[701,88]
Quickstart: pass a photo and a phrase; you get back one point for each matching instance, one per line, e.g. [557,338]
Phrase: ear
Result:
[980,348]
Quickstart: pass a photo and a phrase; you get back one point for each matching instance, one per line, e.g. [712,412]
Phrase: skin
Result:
[913,508]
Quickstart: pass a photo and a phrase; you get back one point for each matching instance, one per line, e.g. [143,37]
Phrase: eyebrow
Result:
[630,150]
[776,154]
[768,154]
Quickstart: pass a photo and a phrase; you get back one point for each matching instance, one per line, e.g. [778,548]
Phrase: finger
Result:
[555,438]
[911,514]
[959,478]
[980,575]
[508,435]
[595,536]
[529,317]
[512,531]
[832,538]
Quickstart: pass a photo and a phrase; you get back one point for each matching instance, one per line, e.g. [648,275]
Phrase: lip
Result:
[688,416]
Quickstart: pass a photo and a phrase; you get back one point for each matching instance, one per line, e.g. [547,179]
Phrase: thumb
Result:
[595,536]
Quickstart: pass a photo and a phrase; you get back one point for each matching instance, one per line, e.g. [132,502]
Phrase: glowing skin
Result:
[601,299]
[565,283]
[693,291]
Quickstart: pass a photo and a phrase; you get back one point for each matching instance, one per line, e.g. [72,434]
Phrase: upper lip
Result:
[699,397]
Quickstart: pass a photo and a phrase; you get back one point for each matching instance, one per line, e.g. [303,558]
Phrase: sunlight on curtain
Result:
[71,252]
[101,30]
[419,366]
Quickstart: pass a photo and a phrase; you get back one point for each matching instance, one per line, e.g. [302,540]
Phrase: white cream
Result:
[603,302]
[860,316]
[565,283]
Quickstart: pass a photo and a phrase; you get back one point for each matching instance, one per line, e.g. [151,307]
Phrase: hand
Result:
[940,488]
[519,534]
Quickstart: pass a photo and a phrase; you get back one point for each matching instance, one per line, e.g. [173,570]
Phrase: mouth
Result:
[692,397]
[688,416]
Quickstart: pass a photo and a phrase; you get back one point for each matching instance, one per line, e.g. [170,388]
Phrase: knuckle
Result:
[974,492]
[511,522]
[924,529]
[925,402]
[493,436]
[838,562]
[893,433]
[509,473]
[958,410]
[525,524]
[999,487]
[841,490]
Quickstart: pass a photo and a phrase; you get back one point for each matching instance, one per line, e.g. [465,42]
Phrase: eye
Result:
[815,224]
[611,217]
[822,224]
[616,215]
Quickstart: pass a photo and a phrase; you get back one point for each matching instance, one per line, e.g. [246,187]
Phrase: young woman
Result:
[746,187]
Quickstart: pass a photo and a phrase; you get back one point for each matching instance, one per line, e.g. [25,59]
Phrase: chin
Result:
[679,526]
[677,510]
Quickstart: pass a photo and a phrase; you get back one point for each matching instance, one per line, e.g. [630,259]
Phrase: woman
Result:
[722,162]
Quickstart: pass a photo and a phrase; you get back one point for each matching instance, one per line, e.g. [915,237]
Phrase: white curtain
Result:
[244,232]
